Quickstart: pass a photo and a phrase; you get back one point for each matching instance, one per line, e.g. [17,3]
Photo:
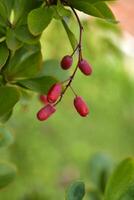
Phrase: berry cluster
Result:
[57,91]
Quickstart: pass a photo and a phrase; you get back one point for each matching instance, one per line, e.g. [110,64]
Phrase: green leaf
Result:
[99,9]
[121,183]
[7,174]
[39,19]
[76,191]
[22,8]
[52,68]
[40,84]
[3,11]
[100,167]
[12,42]
[23,34]
[8,5]
[60,11]
[25,63]
[4,53]
[94,194]
[6,137]
[9,96]
[6,117]
[70,35]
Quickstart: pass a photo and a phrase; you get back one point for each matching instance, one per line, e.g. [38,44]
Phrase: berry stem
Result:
[79,47]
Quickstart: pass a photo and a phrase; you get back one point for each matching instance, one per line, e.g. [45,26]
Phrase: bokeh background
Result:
[52,154]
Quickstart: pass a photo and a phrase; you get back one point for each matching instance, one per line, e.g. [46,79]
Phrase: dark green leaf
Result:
[25,63]
[22,33]
[4,53]
[12,42]
[6,117]
[39,19]
[7,174]
[121,183]
[76,191]
[9,96]
[96,9]
[40,84]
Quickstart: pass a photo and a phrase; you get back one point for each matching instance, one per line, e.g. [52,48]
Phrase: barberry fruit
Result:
[85,67]
[43,99]
[54,93]
[45,112]
[81,106]
[66,62]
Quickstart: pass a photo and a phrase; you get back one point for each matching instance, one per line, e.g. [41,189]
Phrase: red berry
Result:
[85,67]
[45,112]
[43,99]
[66,62]
[54,93]
[81,106]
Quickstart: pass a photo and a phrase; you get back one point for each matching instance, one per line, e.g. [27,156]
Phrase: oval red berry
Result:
[45,112]
[54,93]
[66,62]
[43,98]
[81,106]
[85,67]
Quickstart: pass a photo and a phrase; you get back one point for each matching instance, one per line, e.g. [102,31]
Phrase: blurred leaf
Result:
[121,183]
[9,96]
[3,11]
[76,191]
[39,19]
[100,167]
[52,68]
[8,5]
[7,174]
[4,53]
[22,33]
[71,35]
[6,117]
[39,84]
[99,9]
[25,63]
[12,42]
[6,137]
[94,195]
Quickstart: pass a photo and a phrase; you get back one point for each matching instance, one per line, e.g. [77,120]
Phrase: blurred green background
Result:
[49,155]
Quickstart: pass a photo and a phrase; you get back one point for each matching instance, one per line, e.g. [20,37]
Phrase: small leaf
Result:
[39,19]
[39,84]
[25,63]
[22,33]
[12,42]
[6,137]
[121,183]
[4,53]
[12,95]
[71,35]
[76,191]
[7,174]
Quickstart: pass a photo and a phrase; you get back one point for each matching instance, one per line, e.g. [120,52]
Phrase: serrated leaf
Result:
[39,19]
[25,63]
[7,174]
[94,9]
[76,191]
[6,137]
[23,34]
[4,53]
[70,34]
[121,183]
[52,68]
[12,42]
[12,95]
[39,84]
